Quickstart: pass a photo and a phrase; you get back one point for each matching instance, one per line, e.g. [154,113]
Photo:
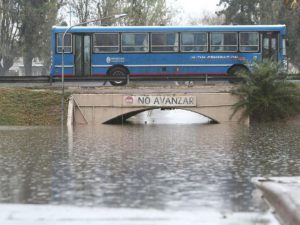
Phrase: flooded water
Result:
[154,166]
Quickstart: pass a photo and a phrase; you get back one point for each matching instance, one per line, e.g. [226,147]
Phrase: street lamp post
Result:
[118,16]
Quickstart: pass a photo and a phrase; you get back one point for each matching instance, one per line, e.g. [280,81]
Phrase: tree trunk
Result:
[27,60]
[5,64]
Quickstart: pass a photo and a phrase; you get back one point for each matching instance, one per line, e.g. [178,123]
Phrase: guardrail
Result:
[49,79]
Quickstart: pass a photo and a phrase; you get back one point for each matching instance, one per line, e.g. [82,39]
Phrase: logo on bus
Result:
[108,60]
[115,60]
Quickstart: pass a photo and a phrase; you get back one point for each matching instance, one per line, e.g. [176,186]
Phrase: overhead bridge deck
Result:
[115,105]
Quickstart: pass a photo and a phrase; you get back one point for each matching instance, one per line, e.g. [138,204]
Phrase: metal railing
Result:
[49,79]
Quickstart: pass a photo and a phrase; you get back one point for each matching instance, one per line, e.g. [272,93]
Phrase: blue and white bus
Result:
[164,50]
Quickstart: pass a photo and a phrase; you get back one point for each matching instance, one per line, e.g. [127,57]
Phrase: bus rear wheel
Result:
[235,74]
[119,72]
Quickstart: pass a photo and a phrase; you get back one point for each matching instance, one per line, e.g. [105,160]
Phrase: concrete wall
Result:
[102,108]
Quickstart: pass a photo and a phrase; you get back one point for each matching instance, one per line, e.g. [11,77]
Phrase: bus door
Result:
[82,54]
[270,45]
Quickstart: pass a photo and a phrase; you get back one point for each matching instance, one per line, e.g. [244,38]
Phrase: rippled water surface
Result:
[165,166]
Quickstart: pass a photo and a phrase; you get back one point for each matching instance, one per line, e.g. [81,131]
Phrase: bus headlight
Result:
[285,64]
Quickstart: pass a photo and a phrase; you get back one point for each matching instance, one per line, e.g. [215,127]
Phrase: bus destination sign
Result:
[159,101]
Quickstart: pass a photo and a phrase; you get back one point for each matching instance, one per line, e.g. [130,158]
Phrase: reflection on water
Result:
[160,166]
[176,116]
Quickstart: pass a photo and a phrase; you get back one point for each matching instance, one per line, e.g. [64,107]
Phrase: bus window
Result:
[106,42]
[249,42]
[274,44]
[164,42]
[223,42]
[270,45]
[135,42]
[67,43]
[194,42]
[266,43]
[284,44]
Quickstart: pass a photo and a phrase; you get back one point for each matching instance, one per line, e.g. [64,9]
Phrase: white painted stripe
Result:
[169,65]
[101,66]
[66,66]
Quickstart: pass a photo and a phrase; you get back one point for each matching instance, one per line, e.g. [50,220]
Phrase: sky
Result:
[192,9]
[196,6]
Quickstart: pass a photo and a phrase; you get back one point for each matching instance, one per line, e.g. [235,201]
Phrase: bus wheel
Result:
[120,72]
[235,74]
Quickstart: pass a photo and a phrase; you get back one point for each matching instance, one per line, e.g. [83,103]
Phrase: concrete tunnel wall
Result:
[102,108]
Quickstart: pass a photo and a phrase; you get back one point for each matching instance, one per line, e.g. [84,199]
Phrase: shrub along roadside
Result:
[266,95]
[20,106]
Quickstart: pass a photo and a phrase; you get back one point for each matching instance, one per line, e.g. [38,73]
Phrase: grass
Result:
[20,106]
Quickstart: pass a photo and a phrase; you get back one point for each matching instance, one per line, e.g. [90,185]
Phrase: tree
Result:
[146,12]
[267,12]
[9,33]
[107,8]
[239,11]
[82,9]
[37,18]
[140,12]
[292,19]
[251,11]
[266,95]
[51,18]
[292,3]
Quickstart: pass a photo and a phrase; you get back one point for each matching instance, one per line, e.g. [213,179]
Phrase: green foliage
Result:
[9,46]
[251,11]
[239,11]
[292,19]
[146,12]
[267,12]
[142,12]
[25,31]
[266,95]
[37,19]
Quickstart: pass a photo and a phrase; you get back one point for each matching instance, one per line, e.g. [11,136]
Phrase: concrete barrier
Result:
[12,214]
[283,196]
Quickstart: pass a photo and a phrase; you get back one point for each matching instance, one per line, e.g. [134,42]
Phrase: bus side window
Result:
[164,42]
[187,42]
[106,42]
[67,43]
[172,41]
[194,42]
[224,42]
[216,42]
[127,42]
[135,42]
[249,42]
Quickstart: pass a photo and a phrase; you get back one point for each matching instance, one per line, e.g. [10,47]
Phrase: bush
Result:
[266,95]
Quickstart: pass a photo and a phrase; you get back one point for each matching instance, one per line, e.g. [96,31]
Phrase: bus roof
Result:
[93,29]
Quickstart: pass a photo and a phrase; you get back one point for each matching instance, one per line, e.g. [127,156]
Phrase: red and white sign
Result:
[129,99]
[160,101]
